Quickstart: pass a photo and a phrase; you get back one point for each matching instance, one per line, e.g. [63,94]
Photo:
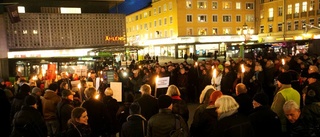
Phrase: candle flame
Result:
[242,68]
[214,73]
[283,62]
[79,85]
[97,96]
[157,78]
[196,63]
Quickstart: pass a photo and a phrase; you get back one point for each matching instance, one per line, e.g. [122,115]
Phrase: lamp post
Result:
[245,31]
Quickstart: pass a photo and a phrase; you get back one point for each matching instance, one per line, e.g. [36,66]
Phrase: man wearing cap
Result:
[64,109]
[161,124]
[264,121]
[286,92]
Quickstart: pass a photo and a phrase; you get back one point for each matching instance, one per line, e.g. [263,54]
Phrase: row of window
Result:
[296,26]
[289,9]
[225,18]
[156,22]
[215,5]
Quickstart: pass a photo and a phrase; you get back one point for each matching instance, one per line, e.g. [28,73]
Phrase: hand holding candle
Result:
[242,72]
[214,76]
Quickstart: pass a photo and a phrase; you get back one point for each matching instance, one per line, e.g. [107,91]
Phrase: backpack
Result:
[178,131]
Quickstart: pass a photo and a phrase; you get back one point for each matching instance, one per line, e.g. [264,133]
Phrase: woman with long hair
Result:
[78,124]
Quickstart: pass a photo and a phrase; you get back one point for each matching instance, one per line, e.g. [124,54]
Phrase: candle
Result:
[242,74]
[214,75]
[155,90]
[101,72]
[196,64]
[97,96]
[89,74]
[79,86]
[283,62]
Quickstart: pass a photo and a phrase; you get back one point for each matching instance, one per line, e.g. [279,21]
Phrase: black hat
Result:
[25,88]
[164,101]
[66,93]
[314,75]
[312,95]
[261,98]
[30,100]
[135,108]
[285,78]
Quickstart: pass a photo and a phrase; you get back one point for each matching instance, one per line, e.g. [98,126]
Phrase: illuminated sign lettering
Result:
[110,38]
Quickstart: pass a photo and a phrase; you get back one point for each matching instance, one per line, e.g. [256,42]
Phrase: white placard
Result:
[81,70]
[163,82]
[117,90]
[97,82]
[75,83]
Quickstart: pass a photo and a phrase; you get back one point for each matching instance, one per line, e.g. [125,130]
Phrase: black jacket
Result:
[64,109]
[28,122]
[136,126]
[149,106]
[78,130]
[245,103]
[265,122]
[206,125]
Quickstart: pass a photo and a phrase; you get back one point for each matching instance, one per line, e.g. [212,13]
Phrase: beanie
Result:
[285,78]
[25,88]
[261,98]
[164,101]
[30,100]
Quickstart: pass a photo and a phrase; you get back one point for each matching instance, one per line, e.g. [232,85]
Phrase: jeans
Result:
[52,127]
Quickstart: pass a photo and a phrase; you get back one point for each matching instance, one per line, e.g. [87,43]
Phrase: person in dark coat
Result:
[227,81]
[182,84]
[5,114]
[136,125]
[112,108]
[148,103]
[179,106]
[208,121]
[64,109]
[123,111]
[264,121]
[28,122]
[230,122]
[17,102]
[99,120]
[78,124]
[243,99]
[36,92]
[161,124]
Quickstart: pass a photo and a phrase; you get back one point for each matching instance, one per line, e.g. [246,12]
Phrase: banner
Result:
[51,71]
[117,90]
[163,82]
[13,13]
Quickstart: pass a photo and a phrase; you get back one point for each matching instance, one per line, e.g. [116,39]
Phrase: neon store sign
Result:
[116,38]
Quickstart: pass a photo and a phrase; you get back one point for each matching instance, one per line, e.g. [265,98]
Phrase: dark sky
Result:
[130,6]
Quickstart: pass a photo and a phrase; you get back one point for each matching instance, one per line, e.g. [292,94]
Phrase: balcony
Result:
[270,19]
[311,13]
[296,15]
[289,16]
[304,14]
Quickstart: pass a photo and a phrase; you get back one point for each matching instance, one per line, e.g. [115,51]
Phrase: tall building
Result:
[177,27]
[63,34]
[174,28]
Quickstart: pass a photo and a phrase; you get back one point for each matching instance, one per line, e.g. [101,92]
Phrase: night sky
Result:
[130,6]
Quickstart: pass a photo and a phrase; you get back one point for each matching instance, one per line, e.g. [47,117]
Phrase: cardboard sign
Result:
[117,90]
[163,82]
[81,70]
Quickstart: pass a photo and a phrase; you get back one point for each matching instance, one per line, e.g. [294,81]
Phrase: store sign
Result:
[116,38]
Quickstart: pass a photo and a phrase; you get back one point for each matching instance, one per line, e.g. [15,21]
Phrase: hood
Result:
[49,94]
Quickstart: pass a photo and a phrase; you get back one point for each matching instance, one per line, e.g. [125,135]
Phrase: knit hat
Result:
[66,93]
[25,88]
[261,98]
[36,90]
[285,78]
[30,100]
[164,101]
[214,96]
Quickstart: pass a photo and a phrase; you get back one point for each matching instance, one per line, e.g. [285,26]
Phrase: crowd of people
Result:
[275,96]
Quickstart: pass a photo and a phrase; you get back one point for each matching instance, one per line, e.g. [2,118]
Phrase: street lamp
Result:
[245,31]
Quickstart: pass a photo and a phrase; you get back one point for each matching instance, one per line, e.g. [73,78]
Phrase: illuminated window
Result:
[280,11]
[189,18]
[214,31]
[226,31]
[304,6]
[64,10]
[226,5]
[35,32]
[289,26]
[189,31]
[249,6]
[202,31]
[226,18]
[164,7]
[202,18]
[270,12]
[289,9]
[214,5]
[238,18]
[21,9]
[312,3]
[188,4]
[214,18]
[25,32]
[170,6]
[280,27]
[145,14]
[296,8]
[238,5]
[202,5]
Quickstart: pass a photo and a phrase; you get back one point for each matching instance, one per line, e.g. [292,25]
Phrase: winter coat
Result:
[245,103]
[78,130]
[180,107]
[136,126]
[149,106]
[207,123]
[50,101]
[28,122]
[265,122]
[64,109]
